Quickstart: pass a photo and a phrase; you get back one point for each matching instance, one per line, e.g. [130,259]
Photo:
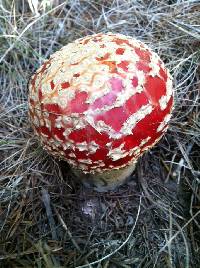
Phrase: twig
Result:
[67,230]
[46,201]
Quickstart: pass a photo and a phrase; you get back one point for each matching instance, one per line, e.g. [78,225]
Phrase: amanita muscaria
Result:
[99,103]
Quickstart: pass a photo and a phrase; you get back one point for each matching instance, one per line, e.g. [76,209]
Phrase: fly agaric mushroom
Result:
[99,103]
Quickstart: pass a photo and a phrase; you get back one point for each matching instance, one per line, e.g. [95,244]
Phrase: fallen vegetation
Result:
[47,219]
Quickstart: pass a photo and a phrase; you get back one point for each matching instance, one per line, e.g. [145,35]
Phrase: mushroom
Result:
[99,103]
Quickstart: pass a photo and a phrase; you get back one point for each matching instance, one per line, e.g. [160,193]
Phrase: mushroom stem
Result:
[106,181]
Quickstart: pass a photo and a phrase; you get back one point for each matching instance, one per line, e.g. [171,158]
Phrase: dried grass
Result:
[49,220]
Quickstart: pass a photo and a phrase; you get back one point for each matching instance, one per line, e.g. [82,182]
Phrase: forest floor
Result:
[47,219]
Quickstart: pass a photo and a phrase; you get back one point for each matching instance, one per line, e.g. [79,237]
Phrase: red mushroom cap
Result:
[101,101]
